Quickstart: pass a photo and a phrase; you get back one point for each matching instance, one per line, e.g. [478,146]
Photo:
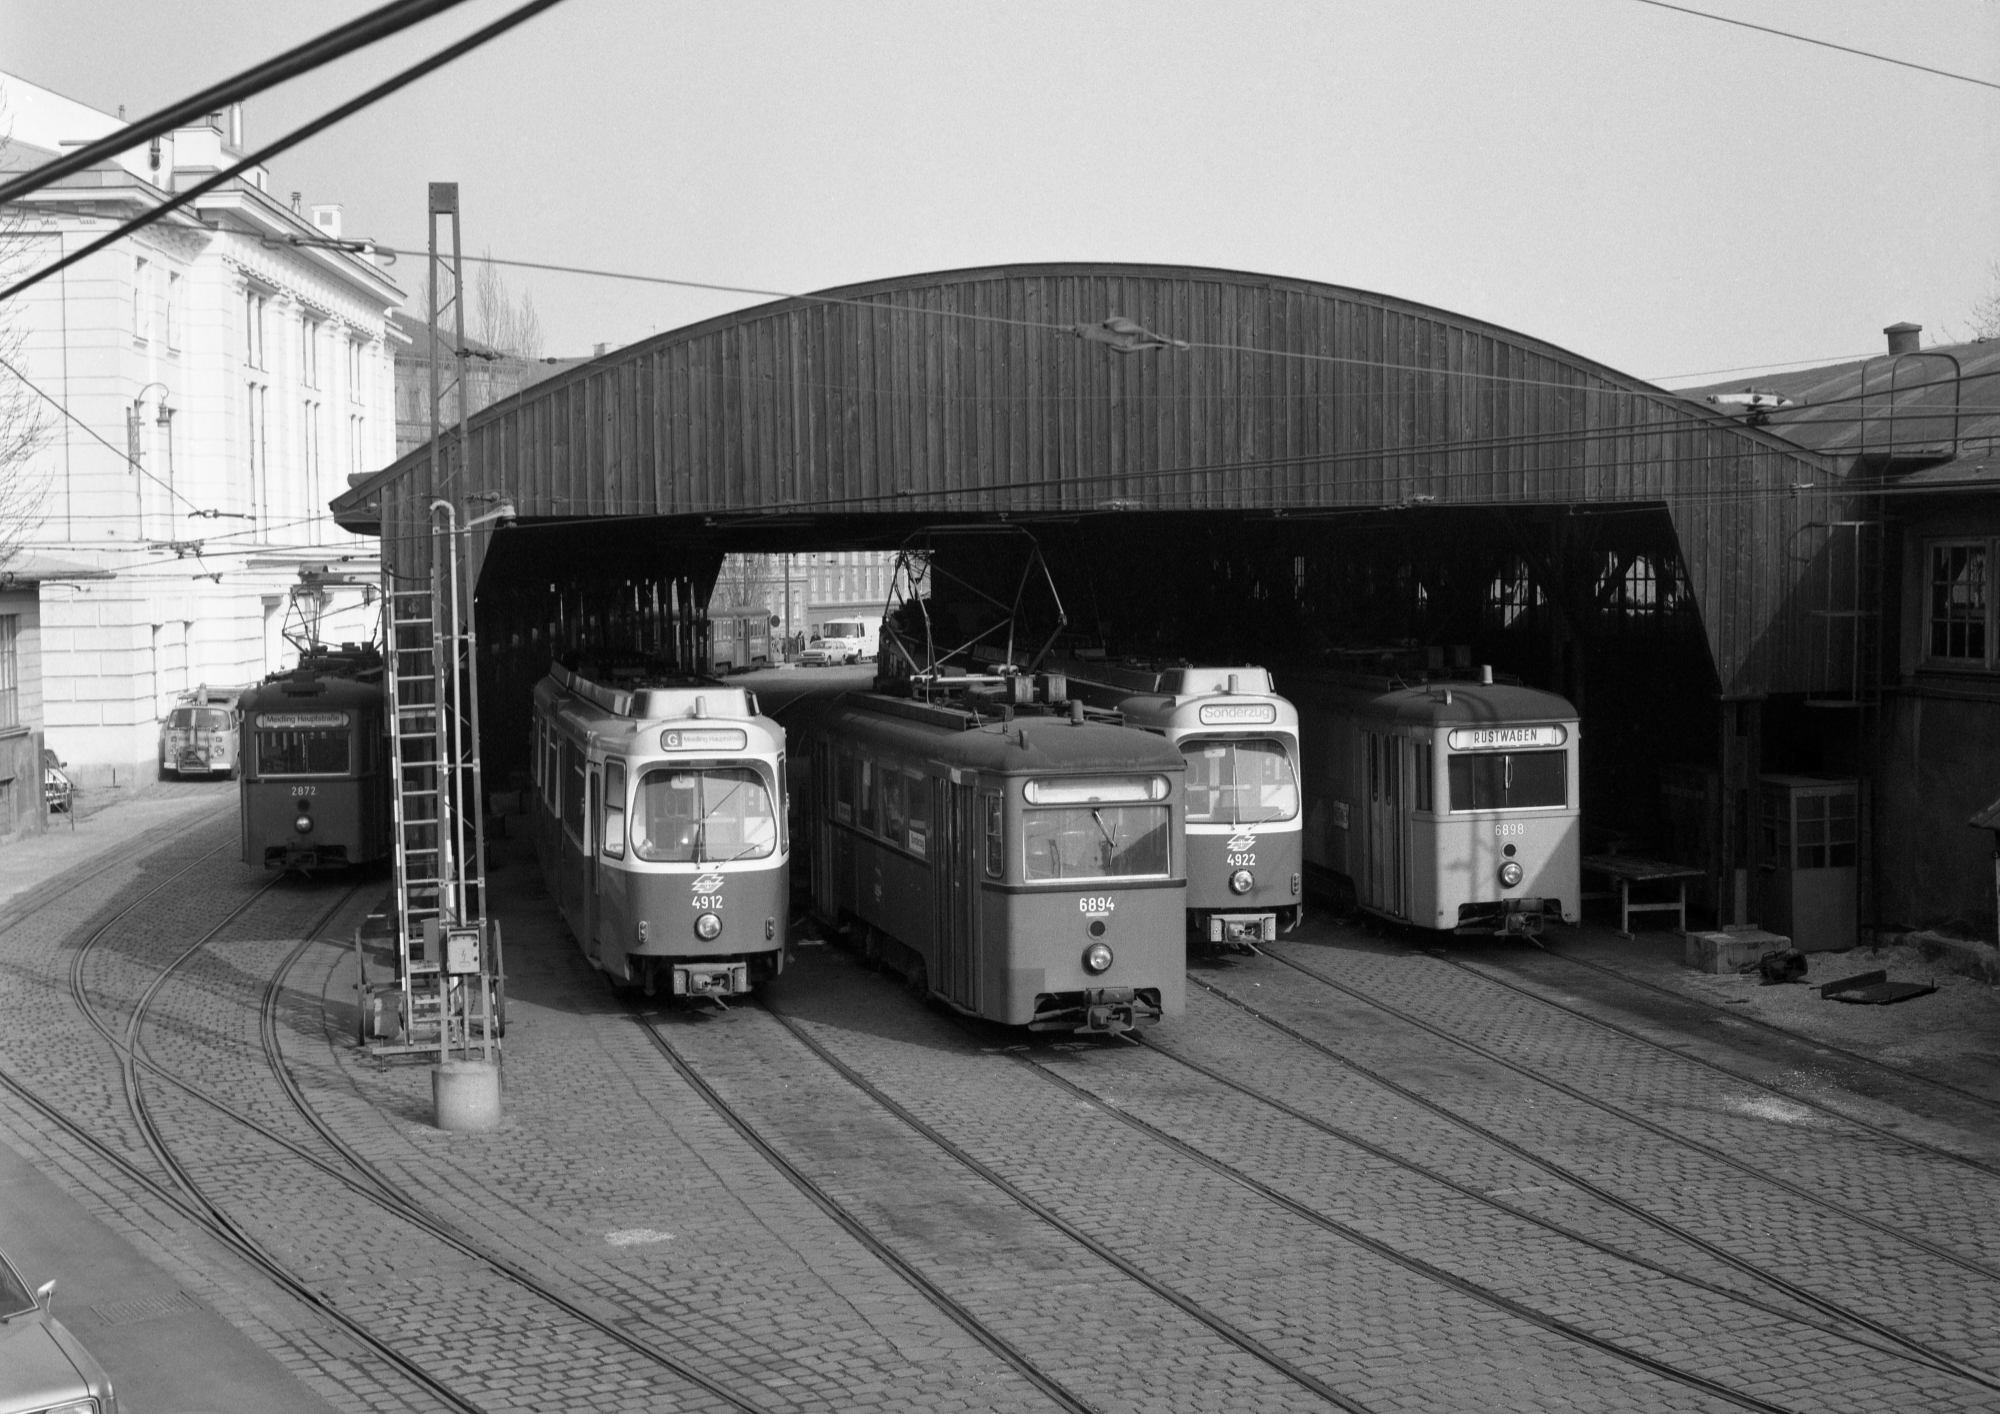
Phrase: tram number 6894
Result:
[1089,904]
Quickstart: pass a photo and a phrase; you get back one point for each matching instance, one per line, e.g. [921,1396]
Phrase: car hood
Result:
[34,1372]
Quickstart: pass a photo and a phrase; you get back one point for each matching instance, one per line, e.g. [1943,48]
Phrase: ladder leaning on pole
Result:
[417,788]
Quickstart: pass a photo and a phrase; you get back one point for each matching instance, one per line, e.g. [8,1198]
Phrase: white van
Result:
[843,641]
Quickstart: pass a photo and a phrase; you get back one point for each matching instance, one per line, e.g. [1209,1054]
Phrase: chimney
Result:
[327,219]
[297,197]
[1903,338]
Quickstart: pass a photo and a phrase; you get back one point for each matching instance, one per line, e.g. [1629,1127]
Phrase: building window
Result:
[258,448]
[355,428]
[253,329]
[353,371]
[142,314]
[315,499]
[309,352]
[173,310]
[10,670]
[1960,603]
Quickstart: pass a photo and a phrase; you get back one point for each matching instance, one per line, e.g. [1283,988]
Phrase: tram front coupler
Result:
[1238,932]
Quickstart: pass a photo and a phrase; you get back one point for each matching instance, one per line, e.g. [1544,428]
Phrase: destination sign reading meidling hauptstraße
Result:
[298,721]
[1216,714]
[1502,738]
[703,739]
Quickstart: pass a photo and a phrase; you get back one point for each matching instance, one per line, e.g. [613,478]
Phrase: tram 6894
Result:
[660,826]
[1023,864]
[1241,743]
[1449,805]
[315,775]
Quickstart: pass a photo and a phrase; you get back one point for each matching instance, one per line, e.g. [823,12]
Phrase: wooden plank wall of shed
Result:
[973,396]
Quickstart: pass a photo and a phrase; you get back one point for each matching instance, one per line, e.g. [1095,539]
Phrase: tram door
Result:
[1386,859]
[956,891]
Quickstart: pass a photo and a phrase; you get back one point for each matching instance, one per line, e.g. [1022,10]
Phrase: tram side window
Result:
[1509,780]
[612,828]
[866,796]
[917,793]
[843,789]
[892,804]
[303,751]
[996,858]
[1425,800]
[572,790]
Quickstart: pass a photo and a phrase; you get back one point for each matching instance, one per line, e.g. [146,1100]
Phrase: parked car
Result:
[842,641]
[57,789]
[43,1368]
[198,735]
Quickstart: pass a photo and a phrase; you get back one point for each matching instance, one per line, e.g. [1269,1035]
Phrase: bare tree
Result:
[1985,315]
[25,425]
[501,322]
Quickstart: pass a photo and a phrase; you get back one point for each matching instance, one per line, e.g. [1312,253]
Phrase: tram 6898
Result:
[1241,743]
[1025,865]
[660,826]
[1449,805]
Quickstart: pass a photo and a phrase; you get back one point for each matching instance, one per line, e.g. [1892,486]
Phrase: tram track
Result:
[1800,1191]
[1796,1037]
[1888,1341]
[353,1171]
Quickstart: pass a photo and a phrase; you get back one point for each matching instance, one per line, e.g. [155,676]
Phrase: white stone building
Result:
[247,377]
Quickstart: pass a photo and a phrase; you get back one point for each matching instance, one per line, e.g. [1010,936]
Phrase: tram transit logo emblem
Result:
[708,884]
[1242,840]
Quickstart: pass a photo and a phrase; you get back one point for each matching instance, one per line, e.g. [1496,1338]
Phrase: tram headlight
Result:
[1097,957]
[707,927]
[1240,881]
[304,824]
[1510,874]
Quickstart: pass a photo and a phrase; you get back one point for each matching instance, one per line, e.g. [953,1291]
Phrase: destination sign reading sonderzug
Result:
[1505,738]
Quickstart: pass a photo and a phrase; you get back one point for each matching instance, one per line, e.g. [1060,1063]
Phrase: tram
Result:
[660,827]
[1244,826]
[1013,855]
[1449,805]
[315,775]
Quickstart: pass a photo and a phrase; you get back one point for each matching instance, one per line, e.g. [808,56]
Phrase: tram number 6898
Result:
[1504,829]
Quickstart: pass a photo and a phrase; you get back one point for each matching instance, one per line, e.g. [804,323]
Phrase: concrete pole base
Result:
[467,1096]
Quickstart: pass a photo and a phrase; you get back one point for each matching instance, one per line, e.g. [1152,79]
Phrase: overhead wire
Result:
[297,135]
[333,44]
[122,454]
[1820,43]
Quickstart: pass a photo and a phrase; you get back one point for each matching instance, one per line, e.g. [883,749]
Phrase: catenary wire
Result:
[1820,43]
[343,39]
[297,135]
[123,456]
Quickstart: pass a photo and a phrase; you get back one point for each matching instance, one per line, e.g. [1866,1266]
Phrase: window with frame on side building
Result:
[10,671]
[1958,603]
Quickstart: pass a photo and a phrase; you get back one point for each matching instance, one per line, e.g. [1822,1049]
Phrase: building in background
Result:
[24,582]
[224,372]
[803,591]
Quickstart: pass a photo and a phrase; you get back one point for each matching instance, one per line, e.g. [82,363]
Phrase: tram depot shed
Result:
[1226,463]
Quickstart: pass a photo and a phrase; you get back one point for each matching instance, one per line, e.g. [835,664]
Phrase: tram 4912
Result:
[1449,805]
[1241,743]
[660,825]
[1022,865]
[315,775]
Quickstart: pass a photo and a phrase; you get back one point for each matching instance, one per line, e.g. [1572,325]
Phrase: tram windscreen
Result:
[1096,842]
[1509,780]
[303,751]
[1239,781]
[209,719]
[703,816]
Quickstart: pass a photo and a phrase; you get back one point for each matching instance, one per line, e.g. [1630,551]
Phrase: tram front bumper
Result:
[1242,930]
[1507,917]
[711,979]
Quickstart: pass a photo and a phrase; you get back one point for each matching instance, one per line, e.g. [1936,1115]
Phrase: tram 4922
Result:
[660,827]
[1028,869]
[1450,805]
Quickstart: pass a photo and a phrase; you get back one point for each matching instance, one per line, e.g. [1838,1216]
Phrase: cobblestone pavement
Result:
[1417,1205]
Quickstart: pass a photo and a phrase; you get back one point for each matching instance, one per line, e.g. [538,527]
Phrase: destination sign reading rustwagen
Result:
[1505,738]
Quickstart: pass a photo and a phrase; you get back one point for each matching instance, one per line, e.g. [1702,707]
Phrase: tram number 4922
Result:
[1242,861]
[1098,904]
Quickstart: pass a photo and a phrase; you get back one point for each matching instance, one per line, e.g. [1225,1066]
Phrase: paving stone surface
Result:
[1563,1217]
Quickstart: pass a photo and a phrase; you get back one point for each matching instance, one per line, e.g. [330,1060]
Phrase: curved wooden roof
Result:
[992,391]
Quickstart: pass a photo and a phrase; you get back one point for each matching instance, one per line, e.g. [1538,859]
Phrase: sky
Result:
[1670,195]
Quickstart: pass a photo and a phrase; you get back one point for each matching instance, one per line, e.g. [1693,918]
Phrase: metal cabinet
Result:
[1809,860]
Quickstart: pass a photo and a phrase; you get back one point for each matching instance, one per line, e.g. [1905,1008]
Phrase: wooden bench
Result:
[1625,870]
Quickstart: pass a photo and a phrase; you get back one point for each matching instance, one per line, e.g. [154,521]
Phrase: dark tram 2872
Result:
[315,768]
[1019,863]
